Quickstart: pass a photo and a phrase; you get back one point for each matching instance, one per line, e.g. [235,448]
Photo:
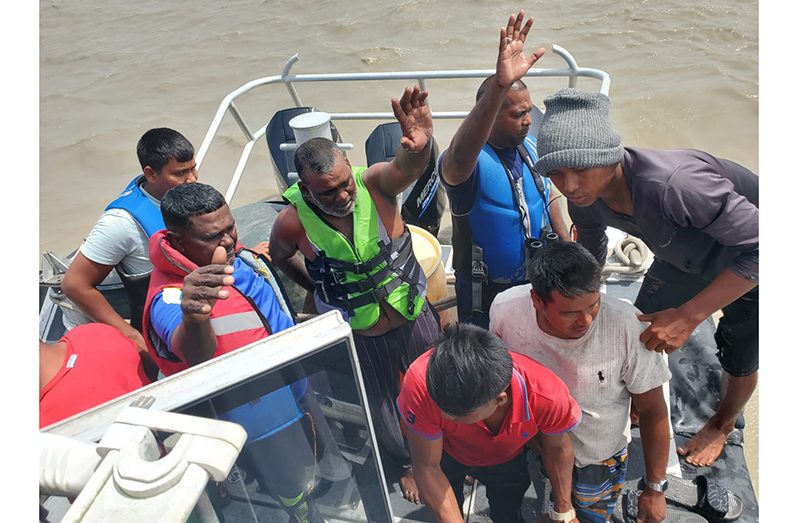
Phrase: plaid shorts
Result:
[596,488]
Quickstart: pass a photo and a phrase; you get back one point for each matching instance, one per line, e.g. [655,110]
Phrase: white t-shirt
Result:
[601,368]
[117,239]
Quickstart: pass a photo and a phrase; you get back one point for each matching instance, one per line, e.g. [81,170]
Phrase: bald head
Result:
[316,156]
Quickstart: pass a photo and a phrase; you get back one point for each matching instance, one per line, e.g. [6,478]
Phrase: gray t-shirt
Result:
[118,240]
[694,211]
[601,369]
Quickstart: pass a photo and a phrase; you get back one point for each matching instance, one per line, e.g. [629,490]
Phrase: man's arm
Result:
[415,119]
[194,340]
[284,250]
[590,232]
[558,460]
[460,159]
[654,432]
[671,328]
[435,490]
[557,221]
[697,196]
[80,285]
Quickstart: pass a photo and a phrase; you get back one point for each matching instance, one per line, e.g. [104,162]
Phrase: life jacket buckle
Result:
[337,277]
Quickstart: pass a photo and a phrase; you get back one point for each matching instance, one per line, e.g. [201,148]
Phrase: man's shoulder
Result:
[660,168]
[288,223]
[531,144]
[114,235]
[620,306]
[619,311]
[512,297]
[419,365]
[116,215]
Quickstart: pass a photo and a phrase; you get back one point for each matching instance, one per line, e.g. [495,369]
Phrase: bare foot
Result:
[409,488]
[704,448]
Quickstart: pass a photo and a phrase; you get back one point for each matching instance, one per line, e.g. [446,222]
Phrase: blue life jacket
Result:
[141,208]
[494,219]
[148,216]
[270,413]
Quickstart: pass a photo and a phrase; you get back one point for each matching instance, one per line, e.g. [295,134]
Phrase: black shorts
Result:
[737,335]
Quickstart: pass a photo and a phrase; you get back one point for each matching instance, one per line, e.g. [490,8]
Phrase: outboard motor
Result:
[279,132]
[424,201]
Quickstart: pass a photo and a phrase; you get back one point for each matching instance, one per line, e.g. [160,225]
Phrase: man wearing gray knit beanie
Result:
[698,214]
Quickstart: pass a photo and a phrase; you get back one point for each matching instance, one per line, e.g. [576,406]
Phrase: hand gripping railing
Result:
[572,72]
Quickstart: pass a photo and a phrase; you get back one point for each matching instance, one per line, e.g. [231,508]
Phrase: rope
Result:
[632,254]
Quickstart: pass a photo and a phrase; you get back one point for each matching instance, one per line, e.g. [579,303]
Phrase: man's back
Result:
[540,402]
[696,212]
[99,364]
[601,368]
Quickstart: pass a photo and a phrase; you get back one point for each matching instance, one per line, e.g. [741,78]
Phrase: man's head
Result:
[325,176]
[167,160]
[513,121]
[468,373]
[566,280]
[578,148]
[198,220]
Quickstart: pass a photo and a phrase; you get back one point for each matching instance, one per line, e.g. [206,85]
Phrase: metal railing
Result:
[572,72]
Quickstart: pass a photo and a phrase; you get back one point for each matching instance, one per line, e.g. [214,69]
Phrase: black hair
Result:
[317,155]
[183,202]
[157,146]
[468,367]
[565,267]
[483,88]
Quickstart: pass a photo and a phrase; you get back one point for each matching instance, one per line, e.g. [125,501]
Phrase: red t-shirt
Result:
[540,402]
[100,364]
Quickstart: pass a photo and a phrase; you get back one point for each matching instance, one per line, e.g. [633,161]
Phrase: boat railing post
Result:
[571,61]
[288,84]
[240,120]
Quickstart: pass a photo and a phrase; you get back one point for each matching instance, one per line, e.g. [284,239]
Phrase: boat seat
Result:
[424,201]
[278,132]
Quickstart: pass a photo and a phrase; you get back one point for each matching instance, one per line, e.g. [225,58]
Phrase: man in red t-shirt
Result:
[469,406]
[89,365]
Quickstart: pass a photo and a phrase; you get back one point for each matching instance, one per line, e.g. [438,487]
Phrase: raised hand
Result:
[414,117]
[203,286]
[511,64]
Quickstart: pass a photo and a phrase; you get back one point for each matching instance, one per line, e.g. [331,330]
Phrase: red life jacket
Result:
[236,320]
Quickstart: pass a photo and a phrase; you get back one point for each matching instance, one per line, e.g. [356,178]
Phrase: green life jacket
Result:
[355,278]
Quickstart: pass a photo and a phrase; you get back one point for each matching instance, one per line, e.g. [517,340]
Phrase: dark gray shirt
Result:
[694,211]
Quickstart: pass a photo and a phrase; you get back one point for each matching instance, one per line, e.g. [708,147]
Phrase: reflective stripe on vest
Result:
[241,321]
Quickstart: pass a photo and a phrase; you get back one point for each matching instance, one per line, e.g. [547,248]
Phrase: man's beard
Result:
[346,211]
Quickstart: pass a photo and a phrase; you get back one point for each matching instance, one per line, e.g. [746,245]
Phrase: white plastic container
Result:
[311,125]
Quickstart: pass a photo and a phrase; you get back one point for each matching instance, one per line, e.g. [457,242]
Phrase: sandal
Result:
[626,511]
[704,496]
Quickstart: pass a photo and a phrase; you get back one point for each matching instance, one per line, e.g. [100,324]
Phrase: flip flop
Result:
[704,496]
[626,510]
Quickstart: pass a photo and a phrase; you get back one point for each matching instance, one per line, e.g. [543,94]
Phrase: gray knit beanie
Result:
[575,132]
